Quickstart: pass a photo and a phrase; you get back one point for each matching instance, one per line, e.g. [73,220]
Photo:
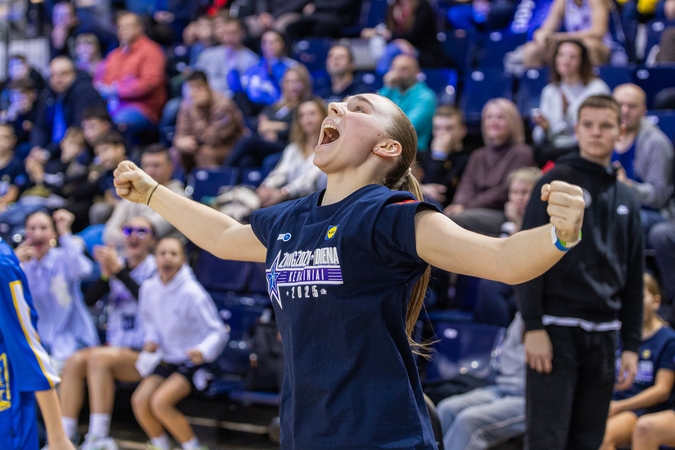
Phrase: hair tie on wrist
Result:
[150,196]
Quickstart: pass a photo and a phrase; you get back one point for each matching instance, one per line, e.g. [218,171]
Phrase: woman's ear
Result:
[388,149]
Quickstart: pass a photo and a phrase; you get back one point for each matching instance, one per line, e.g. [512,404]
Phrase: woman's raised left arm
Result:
[512,260]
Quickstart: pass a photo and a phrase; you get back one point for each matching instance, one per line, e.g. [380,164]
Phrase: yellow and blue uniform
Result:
[24,363]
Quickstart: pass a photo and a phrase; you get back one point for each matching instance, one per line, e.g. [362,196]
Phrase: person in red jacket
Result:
[132,81]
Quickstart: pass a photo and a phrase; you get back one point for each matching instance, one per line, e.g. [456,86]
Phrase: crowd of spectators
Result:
[180,88]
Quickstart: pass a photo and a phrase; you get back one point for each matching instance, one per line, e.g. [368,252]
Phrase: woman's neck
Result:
[651,326]
[571,79]
[310,145]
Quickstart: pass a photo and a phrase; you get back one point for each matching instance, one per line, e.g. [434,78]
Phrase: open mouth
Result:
[330,134]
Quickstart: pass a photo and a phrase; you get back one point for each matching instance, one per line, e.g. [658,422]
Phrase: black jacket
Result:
[80,95]
[600,279]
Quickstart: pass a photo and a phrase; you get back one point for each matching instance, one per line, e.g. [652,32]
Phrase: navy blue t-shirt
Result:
[655,353]
[340,277]
[12,174]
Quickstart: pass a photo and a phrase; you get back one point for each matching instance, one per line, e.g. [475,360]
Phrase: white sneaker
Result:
[94,443]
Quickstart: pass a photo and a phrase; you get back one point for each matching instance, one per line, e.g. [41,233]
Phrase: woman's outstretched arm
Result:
[513,260]
[209,229]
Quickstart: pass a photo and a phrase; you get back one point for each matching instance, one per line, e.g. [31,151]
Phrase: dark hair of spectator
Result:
[96,113]
[197,75]
[601,102]
[346,47]
[112,138]
[450,111]
[41,211]
[155,149]
[297,136]
[23,85]
[585,68]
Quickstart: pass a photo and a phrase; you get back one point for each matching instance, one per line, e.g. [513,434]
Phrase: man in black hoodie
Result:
[573,311]
[61,105]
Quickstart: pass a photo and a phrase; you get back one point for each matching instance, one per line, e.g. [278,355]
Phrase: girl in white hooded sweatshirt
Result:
[182,322]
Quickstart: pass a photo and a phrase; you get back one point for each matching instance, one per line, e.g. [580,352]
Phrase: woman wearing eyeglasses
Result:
[102,366]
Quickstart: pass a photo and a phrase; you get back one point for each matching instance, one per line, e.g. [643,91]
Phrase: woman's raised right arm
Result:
[209,229]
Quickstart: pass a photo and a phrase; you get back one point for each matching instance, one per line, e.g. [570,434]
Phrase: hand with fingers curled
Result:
[538,351]
[565,208]
[133,184]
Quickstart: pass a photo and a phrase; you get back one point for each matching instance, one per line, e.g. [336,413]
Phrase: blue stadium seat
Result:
[496,45]
[373,80]
[443,82]
[312,52]
[653,79]
[464,348]
[665,120]
[204,184]
[530,86]
[459,45]
[481,86]
[217,274]
[253,176]
[615,76]
[256,398]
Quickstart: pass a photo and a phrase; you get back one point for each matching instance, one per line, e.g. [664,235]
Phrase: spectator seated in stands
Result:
[583,20]
[324,18]
[662,238]
[208,125]
[21,113]
[110,151]
[261,83]
[409,28]
[20,69]
[219,61]
[65,178]
[644,156]
[444,164]
[13,177]
[296,175]
[653,384]
[61,106]
[54,275]
[185,334]
[270,15]
[132,80]
[340,68]
[495,301]
[198,36]
[96,123]
[88,55]
[479,202]
[488,416]
[572,81]
[156,161]
[64,24]
[414,97]
[274,121]
[100,367]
